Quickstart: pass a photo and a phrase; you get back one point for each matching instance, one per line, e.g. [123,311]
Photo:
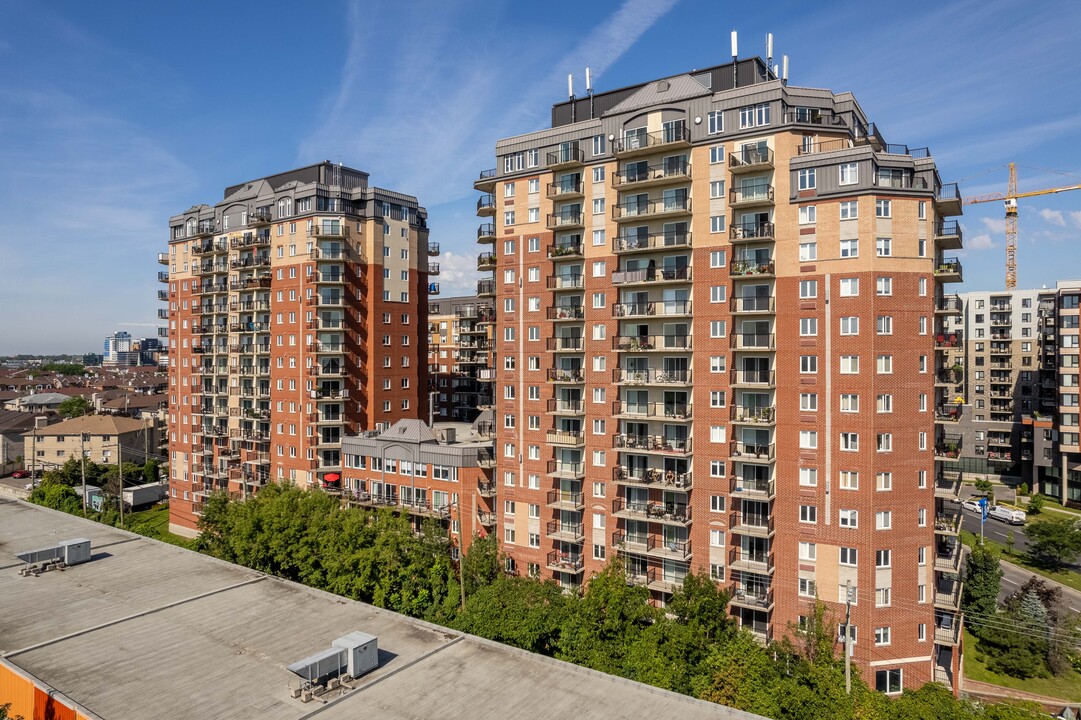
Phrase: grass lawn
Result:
[1065,577]
[157,518]
[1066,687]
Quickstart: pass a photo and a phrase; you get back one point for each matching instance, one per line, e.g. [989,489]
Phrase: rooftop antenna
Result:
[769,50]
[776,70]
[784,69]
[570,92]
[735,54]
[589,91]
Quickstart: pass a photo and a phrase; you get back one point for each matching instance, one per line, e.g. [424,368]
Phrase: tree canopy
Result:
[74,406]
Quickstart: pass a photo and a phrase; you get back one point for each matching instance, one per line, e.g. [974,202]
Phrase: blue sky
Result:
[115,115]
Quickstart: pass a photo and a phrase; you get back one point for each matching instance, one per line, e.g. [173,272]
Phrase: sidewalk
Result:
[997,692]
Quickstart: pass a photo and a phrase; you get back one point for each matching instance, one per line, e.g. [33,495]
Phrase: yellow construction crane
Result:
[1010,198]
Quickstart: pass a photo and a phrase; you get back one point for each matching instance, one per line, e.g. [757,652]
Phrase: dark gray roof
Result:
[410,430]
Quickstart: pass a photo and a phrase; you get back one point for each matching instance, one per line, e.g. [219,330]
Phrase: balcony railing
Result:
[653,173]
[631,277]
[948,413]
[643,141]
[486,261]
[749,158]
[753,489]
[558,375]
[562,469]
[948,304]
[566,154]
[753,341]
[629,210]
[558,405]
[565,188]
[651,241]
[486,287]
[652,476]
[569,438]
[565,499]
[949,267]
[665,410]
[753,414]
[569,531]
[566,312]
[574,343]
[754,377]
[486,204]
[674,512]
[564,220]
[486,232]
[652,443]
[640,343]
[751,267]
[679,548]
[565,250]
[753,304]
[748,195]
[651,309]
[755,451]
[751,231]
[651,376]
[565,282]
[565,562]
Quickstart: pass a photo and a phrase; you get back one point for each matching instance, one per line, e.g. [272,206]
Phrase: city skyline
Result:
[124,122]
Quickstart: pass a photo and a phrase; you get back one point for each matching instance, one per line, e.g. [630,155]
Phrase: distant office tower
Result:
[298,311]
[118,351]
[459,363]
[717,299]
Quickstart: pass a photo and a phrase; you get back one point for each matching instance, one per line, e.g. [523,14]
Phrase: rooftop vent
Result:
[63,554]
[662,86]
[348,657]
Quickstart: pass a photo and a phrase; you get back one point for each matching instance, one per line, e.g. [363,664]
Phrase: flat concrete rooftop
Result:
[149,630]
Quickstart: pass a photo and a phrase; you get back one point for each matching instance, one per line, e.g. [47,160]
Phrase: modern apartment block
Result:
[298,311]
[443,472]
[717,298]
[459,369]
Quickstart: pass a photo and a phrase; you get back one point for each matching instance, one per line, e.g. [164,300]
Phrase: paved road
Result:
[1014,577]
[995,530]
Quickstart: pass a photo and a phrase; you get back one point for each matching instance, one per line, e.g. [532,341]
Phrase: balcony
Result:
[748,451]
[752,305]
[653,175]
[564,220]
[486,233]
[996,456]
[486,489]
[567,155]
[486,459]
[653,410]
[651,343]
[668,548]
[754,378]
[949,270]
[948,555]
[565,189]
[751,267]
[652,477]
[667,513]
[486,288]
[948,594]
[948,340]
[565,500]
[565,562]
[761,490]
[748,196]
[637,211]
[487,519]
[433,268]
[655,276]
[948,522]
[566,470]
[747,232]
[756,562]
[433,249]
[566,312]
[641,143]
[752,596]
[661,308]
[569,377]
[557,406]
[948,413]
[486,205]
[650,444]
[948,305]
[486,261]
[651,241]
[574,343]
[565,282]
[564,251]
[163,276]
[753,341]
[485,182]
[566,531]
[950,632]
[753,524]
[651,376]
[948,235]
[949,448]
[753,415]
[750,159]
[163,295]
[949,376]
[565,438]
[948,199]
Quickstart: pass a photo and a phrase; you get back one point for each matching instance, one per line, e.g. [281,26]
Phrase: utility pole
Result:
[461,551]
[848,638]
[120,472]
[82,452]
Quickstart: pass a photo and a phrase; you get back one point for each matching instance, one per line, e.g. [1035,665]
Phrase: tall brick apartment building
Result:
[716,303]
[298,313]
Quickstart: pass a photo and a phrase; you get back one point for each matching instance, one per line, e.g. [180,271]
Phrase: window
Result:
[534,215]
[717,434]
[882,558]
[884,286]
[850,325]
[882,597]
[850,287]
[716,223]
[600,268]
[888,681]
[808,327]
[807,215]
[717,468]
[849,210]
[808,477]
[598,552]
[534,246]
[807,551]
[883,520]
[850,364]
[808,514]
[884,403]
[808,439]
[717,364]
[807,587]
[598,206]
[850,480]
[882,208]
[508,217]
[716,154]
[884,442]
[717,294]
[882,635]
[848,556]
[808,251]
[850,248]
[533,185]
[850,441]
[716,503]
[808,402]
[754,115]
[884,364]
[884,325]
[883,247]
[717,258]
[849,174]
[598,238]
[848,518]
[717,328]
[884,481]
[806,182]
[716,189]
[808,289]
[598,489]
[715,122]
[716,398]
[598,145]
[808,364]
[599,300]
[716,538]
[598,174]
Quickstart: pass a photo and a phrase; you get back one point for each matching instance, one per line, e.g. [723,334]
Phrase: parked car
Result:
[1007,514]
[972,505]
[20,474]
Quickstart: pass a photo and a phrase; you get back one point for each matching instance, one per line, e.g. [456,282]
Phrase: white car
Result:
[972,505]
[1011,515]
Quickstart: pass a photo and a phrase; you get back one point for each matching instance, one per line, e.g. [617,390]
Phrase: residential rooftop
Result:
[148,630]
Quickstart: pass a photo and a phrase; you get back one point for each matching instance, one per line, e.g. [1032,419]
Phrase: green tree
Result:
[1054,542]
[74,406]
[1010,542]
[982,583]
[68,369]
[150,471]
[703,606]
[741,674]
[482,564]
[56,496]
[1035,504]
[522,612]
[986,487]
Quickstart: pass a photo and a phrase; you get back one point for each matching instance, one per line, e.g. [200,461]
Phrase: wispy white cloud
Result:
[995,225]
[980,242]
[1075,218]
[458,273]
[1053,217]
